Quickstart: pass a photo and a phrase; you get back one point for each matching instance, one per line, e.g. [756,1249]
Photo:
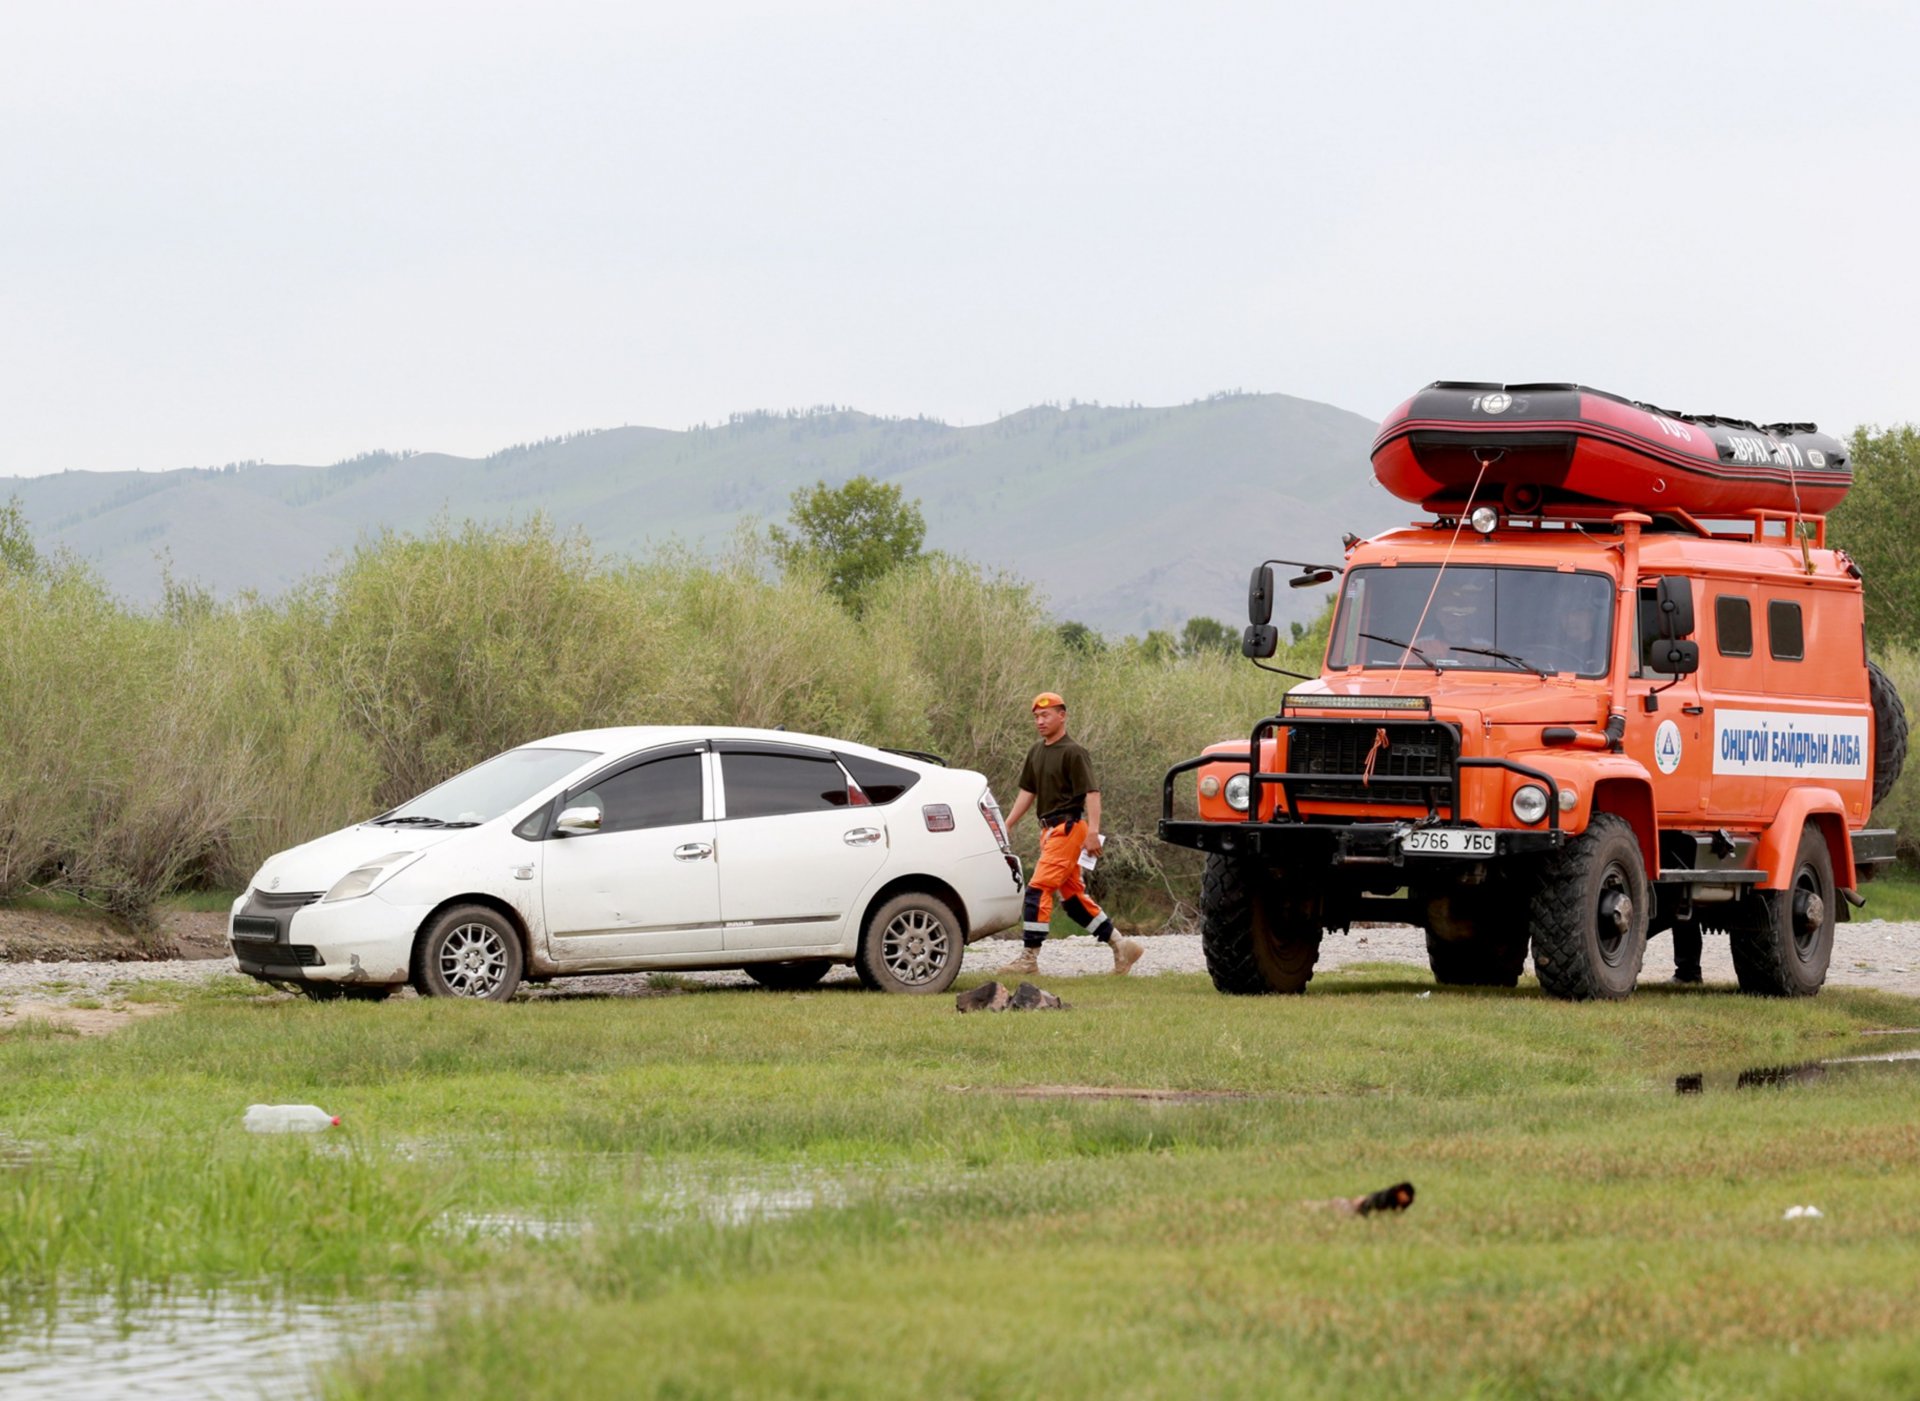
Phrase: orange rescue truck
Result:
[1615,684]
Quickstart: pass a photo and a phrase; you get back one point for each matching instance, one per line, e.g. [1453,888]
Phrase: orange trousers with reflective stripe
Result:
[1057,874]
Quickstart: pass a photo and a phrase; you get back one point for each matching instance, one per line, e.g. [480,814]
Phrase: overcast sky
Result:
[294,232]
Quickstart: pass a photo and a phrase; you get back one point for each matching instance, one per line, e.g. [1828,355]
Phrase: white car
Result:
[648,847]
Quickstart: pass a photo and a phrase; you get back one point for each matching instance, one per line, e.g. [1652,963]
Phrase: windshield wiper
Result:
[1498,655]
[409,822]
[1396,642]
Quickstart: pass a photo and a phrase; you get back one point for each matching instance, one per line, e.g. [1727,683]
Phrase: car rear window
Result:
[882,783]
[768,785]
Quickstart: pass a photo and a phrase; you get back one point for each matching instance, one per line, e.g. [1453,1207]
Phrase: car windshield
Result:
[487,790]
[1473,617]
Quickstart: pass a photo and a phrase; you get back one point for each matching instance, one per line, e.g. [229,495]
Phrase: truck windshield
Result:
[1541,619]
[486,791]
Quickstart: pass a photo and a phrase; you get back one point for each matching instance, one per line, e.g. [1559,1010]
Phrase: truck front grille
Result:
[1331,757]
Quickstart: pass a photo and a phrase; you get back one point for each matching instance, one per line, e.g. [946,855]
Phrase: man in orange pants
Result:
[1058,779]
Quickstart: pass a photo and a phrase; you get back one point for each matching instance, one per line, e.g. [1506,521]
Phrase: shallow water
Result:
[187,1346]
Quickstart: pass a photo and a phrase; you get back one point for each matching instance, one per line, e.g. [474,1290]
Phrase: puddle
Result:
[1116,1092]
[508,1225]
[1778,1076]
[199,1346]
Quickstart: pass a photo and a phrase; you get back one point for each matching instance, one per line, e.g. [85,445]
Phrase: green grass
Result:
[1892,895]
[1580,1230]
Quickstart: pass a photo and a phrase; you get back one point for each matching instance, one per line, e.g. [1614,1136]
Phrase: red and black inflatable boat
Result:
[1533,446]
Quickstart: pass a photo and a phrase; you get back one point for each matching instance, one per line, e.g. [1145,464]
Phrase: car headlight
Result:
[362,879]
[1530,804]
[1238,792]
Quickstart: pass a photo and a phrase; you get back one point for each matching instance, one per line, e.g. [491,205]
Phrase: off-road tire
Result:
[791,976]
[1782,943]
[1256,937]
[1889,732]
[483,948]
[1466,946]
[1475,963]
[1581,950]
[912,944]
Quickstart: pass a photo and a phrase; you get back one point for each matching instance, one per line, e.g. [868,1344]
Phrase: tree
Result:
[17,554]
[1080,638]
[1875,523]
[1208,637]
[853,534]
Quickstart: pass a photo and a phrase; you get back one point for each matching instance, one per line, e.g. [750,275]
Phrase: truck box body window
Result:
[1558,621]
[1733,625]
[1785,638]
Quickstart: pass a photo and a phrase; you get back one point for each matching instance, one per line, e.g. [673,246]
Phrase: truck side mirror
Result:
[1260,640]
[1674,658]
[1674,599]
[1260,600]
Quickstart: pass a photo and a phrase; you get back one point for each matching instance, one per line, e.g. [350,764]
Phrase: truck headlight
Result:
[358,882]
[1530,804]
[1238,792]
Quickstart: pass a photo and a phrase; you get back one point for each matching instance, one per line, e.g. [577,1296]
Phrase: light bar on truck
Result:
[1292,702]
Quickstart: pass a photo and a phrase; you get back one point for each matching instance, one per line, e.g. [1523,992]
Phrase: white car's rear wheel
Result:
[912,944]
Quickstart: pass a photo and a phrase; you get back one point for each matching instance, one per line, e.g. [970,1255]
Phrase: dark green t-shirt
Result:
[1059,775]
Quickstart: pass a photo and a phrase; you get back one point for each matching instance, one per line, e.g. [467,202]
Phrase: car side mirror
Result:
[1260,640]
[575,822]
[1260,600]
[1674,599]
[1675,658]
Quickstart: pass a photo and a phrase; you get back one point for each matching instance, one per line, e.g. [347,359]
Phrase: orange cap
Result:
[1046,700]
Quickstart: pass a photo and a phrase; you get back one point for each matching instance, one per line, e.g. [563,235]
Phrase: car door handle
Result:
[862,836]
[1692,709]
[693,851]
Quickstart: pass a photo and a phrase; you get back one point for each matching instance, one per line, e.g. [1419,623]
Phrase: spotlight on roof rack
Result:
[1484,519]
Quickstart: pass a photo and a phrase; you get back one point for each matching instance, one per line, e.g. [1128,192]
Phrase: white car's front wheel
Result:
[469,951]
[912,944]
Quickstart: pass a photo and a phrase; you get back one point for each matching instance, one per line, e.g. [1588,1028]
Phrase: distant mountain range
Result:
[1127,518]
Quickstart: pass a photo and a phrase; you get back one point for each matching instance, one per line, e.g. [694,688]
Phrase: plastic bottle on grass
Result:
[288,1118]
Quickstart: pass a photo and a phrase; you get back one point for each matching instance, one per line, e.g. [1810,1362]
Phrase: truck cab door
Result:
[1672,739]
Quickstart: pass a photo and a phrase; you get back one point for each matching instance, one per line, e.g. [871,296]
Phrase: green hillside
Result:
[1128,518]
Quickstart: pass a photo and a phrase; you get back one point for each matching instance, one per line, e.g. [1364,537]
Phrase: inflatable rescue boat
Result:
[1532,446]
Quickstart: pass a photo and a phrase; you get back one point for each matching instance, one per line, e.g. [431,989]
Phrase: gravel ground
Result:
[1877,954]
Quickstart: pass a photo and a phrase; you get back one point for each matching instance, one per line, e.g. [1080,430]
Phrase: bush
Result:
[151,752]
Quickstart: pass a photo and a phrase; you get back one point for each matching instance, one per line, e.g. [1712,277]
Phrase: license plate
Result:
[1447,841]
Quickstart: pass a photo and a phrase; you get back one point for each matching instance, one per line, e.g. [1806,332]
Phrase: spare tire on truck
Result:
[1889,732]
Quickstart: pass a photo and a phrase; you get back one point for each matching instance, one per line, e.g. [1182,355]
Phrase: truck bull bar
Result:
[1355,842]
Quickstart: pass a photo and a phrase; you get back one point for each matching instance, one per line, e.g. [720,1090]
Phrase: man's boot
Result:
[1028,961]
[1126,953]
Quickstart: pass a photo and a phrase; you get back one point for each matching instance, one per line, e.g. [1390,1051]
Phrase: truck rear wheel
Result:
[1783,939]
[1257,937]
[1589,914]
[1889,732]
[1466,946]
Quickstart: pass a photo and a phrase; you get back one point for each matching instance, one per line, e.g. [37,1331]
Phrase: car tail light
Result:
[939,817]
[990,810]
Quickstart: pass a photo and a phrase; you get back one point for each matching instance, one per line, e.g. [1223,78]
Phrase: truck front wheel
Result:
[1782,940]
[1258,935]
[1589,911]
